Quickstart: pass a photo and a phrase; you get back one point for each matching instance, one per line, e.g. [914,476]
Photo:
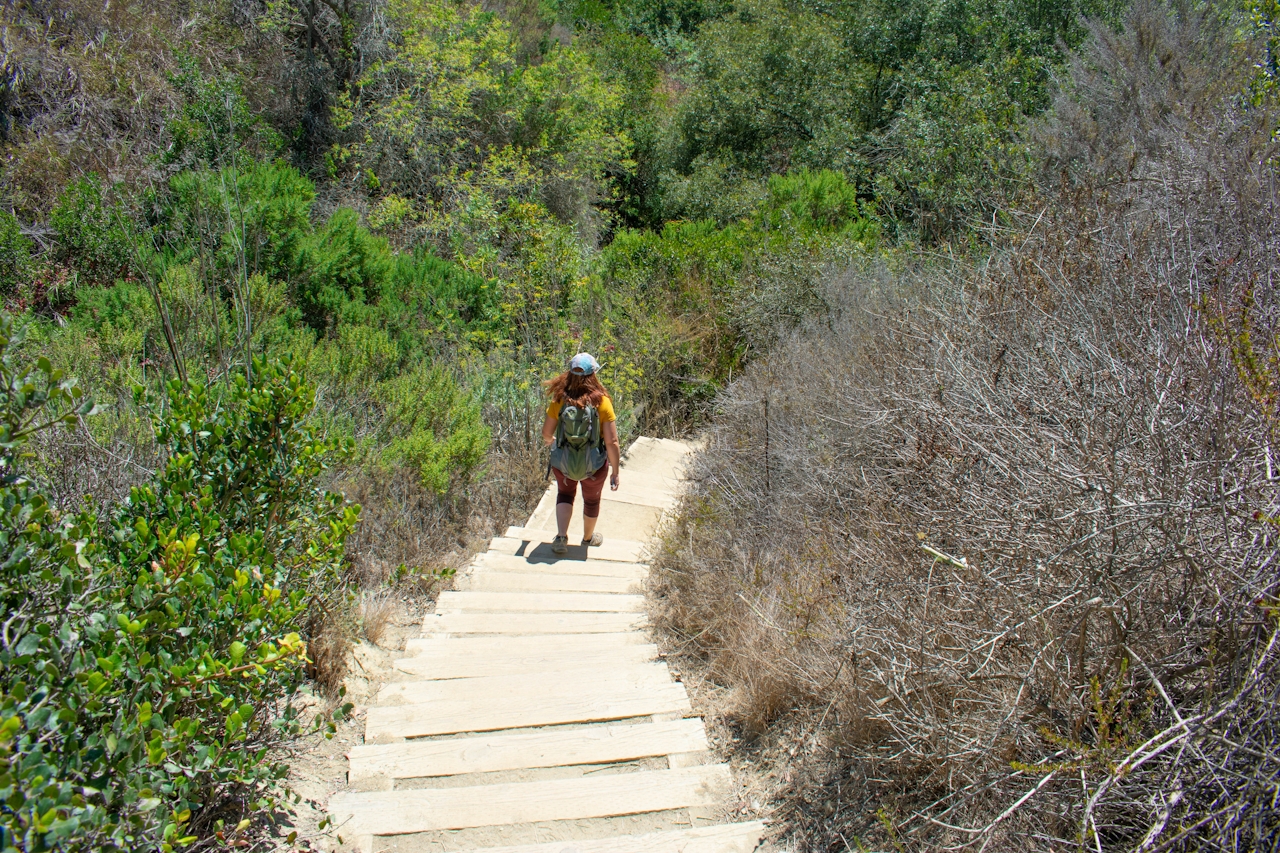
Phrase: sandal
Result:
[560,545]
[597,539]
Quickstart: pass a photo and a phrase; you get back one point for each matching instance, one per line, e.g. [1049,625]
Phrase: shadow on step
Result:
[540,552]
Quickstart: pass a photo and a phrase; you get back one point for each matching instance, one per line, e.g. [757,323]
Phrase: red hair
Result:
[576,389]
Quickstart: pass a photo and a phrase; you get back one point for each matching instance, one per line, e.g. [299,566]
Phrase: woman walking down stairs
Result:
[534,715]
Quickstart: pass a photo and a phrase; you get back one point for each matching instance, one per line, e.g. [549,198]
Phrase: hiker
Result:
[582,429]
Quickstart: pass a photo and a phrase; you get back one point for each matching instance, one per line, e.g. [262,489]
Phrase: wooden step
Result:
[501,688]
[531,623]
[561,565]
[649,481]
[723,838]
[540,550]
[586,704]
[532,657]
[656,455]
[553,747]
[531,541]
[637,488]
[361,815]
[490,580]
[630,521]
[547,535]
[532,602]
[506,645]
[635,493]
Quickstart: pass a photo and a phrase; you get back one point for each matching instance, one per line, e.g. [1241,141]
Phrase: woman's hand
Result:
[613,480]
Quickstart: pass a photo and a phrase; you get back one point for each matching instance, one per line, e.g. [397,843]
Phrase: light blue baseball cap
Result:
[583,364]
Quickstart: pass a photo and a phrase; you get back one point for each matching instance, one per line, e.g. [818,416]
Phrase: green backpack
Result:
[578,451]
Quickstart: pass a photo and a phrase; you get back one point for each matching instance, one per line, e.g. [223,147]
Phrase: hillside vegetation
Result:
[992,278]
[986,551]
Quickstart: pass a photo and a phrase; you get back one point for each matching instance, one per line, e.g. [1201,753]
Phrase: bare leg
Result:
[564,512]
[588,528]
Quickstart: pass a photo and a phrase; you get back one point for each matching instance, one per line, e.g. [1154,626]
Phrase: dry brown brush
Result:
[999,563]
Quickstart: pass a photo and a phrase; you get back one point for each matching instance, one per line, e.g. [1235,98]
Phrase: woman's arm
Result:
[610,430]
[548,430]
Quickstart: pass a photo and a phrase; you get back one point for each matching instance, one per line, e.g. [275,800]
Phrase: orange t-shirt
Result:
[605,409]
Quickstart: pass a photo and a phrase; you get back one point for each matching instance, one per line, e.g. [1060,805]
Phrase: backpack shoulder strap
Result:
[558,439]
[597,434]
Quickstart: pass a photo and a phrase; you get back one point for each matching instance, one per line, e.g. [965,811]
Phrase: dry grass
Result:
[403,524]
[331,628]
[375,612]
[1065,419]
[85,88]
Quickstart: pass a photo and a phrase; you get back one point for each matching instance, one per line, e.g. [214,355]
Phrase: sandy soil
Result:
[319,765]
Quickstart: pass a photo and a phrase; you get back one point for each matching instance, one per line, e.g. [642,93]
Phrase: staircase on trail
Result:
[534,715]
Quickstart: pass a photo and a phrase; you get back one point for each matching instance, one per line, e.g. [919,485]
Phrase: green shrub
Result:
[713,189]
[15,254]
[432,426]
[354,358]
[93,233]
[215,119]
[251,219]
[121,322]
[813,201]
[341,264]
[151,657]
[457,296]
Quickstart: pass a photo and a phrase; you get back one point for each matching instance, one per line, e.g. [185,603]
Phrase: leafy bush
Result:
[823,202]
[340,264]
[917,102]
[249,219]
[153,656]
[430,298]
[93,233]
[450,113]
[432,426]
[15,254]
[215,119]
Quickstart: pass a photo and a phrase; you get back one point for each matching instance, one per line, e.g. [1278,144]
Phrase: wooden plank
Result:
[638,486]
[491,580]
[506,645]
[544,708]
[431,809]
[659,456]
[530,658]
[540,535]
[554,747]
[723,838]
[532,541]
[531,623]
[635,491]
[618,521]
[561,566]
[505,688]
[650,481]
[528,602]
